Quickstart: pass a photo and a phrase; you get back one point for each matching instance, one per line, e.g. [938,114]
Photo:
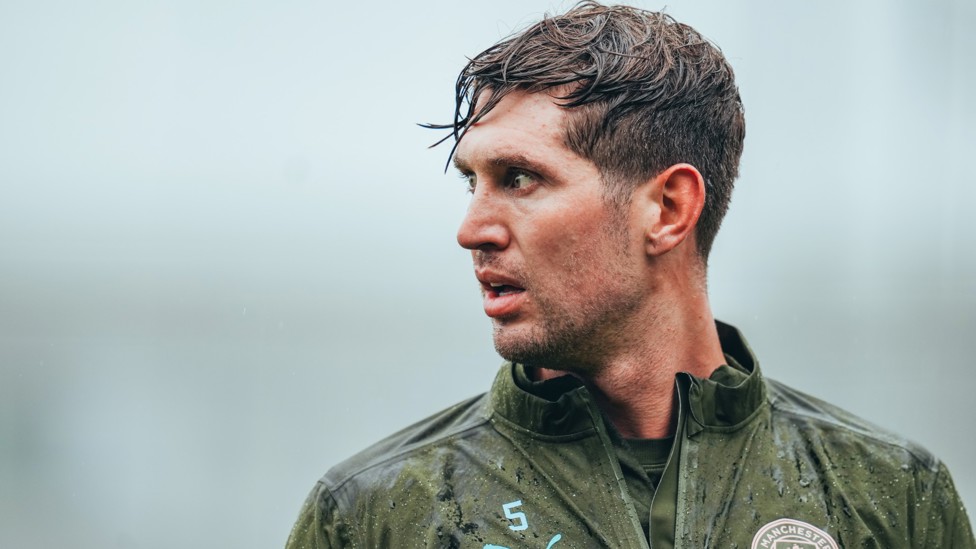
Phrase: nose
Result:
[483,227]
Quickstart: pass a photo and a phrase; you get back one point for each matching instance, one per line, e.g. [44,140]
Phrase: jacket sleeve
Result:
[320,524]
[946,521]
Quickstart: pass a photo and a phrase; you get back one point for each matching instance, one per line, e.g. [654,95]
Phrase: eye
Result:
[471,180]
[519,179]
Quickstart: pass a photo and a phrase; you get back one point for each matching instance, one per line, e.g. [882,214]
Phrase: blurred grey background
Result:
[227,258]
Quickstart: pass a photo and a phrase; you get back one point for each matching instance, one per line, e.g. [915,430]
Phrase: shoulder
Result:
[393,481]
[827,456]
[440,429]
[820,422]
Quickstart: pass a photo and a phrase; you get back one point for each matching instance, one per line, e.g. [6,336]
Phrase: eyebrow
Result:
[502,160]
[459,164]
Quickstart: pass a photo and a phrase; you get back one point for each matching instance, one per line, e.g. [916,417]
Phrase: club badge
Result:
[788,533]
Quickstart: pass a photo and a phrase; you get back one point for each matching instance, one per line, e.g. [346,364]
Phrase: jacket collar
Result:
[564,407]
[558,407]
[726,401]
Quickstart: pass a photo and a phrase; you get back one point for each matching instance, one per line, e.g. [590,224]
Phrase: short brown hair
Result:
[645,91]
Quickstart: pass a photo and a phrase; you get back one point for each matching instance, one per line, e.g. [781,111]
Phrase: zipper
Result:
[636,530]
[664,514]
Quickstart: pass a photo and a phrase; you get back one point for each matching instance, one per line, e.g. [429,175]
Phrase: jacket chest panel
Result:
[735,484]
[527,494]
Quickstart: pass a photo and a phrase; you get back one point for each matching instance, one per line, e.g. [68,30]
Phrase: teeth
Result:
[502,288]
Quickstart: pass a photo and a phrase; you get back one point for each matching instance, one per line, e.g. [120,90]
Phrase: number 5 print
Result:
[522,522]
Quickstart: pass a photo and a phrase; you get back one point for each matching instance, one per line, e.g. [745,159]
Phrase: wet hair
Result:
[644,92]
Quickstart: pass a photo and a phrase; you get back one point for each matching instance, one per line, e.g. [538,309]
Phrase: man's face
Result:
[560,268]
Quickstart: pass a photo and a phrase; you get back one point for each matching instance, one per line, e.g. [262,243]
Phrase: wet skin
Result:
[560,268]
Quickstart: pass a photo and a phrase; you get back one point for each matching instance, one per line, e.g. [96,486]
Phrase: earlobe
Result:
[676,196]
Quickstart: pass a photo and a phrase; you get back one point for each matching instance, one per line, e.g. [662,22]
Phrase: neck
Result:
[635,385]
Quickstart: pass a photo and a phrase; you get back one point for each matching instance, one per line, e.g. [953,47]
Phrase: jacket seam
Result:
[403,452]
[342,514]
[569,437]
[863,434]
[738,426]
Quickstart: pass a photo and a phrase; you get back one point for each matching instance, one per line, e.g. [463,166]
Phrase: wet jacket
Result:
[755,464]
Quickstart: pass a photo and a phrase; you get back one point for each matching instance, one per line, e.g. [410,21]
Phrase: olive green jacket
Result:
[760,466]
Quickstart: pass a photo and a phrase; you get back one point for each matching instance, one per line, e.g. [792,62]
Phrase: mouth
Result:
[504,297]
[496,289]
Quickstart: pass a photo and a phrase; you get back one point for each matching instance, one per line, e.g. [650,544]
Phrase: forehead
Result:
[528,126]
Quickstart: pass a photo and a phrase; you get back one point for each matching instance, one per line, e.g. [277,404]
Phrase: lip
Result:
[500,302]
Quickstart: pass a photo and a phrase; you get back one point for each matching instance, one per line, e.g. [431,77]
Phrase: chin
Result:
[537,352]
[524,349]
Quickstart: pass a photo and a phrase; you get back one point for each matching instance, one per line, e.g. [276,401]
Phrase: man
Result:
[600,148]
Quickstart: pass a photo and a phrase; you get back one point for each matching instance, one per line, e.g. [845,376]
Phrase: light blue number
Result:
[519,516]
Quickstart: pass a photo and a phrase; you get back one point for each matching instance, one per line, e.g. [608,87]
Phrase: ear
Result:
[673,200]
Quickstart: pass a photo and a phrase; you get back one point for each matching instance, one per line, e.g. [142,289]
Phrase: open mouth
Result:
[505,289]
[502,298]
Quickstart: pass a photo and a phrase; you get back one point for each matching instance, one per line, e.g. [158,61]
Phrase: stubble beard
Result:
[582,342]
[579,337]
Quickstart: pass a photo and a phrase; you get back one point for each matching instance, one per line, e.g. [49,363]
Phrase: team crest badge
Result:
[792,534]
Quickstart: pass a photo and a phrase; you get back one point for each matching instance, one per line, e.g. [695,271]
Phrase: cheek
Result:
[575,249]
